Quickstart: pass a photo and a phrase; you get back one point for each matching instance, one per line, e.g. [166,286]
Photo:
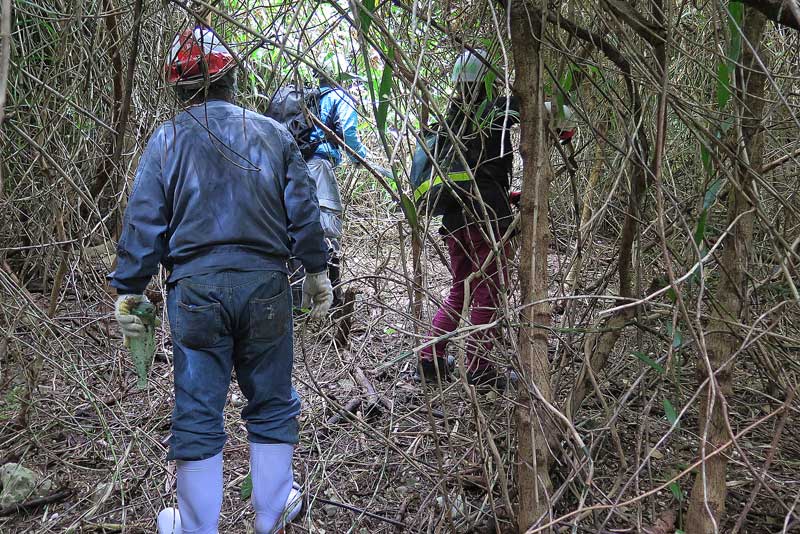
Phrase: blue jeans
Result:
[220,322]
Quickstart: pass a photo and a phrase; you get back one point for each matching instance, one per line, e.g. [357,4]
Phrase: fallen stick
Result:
[35,503]
[402,513]
[361,511]
[373,397]
[369,389]
[371,400]
[351,407]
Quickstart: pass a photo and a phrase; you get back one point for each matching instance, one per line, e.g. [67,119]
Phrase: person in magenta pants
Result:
[469,251]
[470,223]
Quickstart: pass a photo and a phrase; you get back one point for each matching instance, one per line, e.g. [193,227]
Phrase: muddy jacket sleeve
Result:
[302,210]
[144,228]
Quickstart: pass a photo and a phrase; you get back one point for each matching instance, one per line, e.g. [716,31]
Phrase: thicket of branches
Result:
[651,312]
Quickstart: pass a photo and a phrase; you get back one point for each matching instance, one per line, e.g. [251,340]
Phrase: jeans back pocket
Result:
[199,322]
[269,317]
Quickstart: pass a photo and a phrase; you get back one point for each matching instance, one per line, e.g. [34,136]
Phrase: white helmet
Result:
[331,64]
[469,67]
[564,124]
[560,122]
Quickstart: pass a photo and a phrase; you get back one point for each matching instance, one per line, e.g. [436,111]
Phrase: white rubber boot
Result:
[274,498]
[200,494]
[169,521]
[294,504]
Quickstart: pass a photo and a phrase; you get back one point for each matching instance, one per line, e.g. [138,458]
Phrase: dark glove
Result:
[317,295]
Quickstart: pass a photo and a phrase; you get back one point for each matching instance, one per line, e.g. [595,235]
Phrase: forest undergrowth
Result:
[655,357]
[405,460]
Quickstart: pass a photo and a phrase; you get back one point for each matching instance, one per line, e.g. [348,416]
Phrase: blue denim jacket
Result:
[218,188]
[346,120]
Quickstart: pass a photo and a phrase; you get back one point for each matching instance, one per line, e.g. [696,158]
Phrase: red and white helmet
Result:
[197,55]
[563,123]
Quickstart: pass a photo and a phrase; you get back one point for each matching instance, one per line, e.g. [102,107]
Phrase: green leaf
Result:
[364,15]
[566,81]
[409,210]
[389,331]
[671,295]
[736,16]
[488,83]
[705,155]
[565,86]
[649,361]
[677,337]
[708,200]
[481,109]
[247,487]
[711,194]
[670,412]
[486,42]
[675,488]
[384,90]
[726,68]
[700,231]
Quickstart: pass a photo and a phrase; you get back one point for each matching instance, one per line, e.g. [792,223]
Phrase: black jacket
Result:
[486,143]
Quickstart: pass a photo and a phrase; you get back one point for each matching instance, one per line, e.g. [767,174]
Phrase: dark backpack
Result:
[292,107]
[433,193]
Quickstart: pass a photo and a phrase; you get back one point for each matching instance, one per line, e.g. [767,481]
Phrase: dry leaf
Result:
[665,524]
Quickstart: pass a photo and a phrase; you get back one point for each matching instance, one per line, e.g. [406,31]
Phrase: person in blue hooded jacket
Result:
[221,198]
[337,108]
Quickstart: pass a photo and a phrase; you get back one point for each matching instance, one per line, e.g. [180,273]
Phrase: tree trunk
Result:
[707,501]
[533,456]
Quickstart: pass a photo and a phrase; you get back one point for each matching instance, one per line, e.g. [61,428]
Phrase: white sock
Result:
[271,471]
[200,494]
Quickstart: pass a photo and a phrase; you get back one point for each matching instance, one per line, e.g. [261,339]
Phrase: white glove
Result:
[130,325]
[317,290]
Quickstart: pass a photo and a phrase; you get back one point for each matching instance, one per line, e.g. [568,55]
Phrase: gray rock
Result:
[330,510]
[20,483]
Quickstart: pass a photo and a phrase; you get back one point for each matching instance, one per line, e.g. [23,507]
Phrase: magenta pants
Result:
[468,251]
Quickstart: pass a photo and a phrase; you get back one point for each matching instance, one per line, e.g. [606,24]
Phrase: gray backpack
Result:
[292,107]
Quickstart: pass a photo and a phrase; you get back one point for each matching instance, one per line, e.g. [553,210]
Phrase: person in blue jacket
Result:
[338,108]
[220,196]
